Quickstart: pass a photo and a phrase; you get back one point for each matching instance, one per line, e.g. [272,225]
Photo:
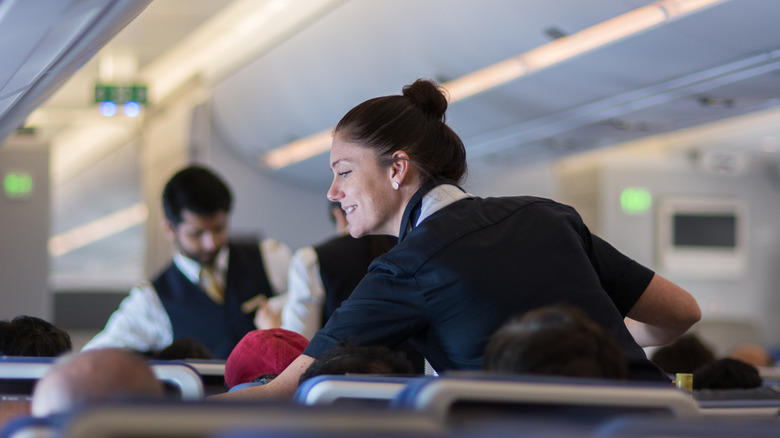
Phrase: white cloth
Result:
[438,198]
[141,322]
[302,313]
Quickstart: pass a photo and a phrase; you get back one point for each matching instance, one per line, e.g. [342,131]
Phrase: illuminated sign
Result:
[635,200]
[128,97]
[17,185]
[120,94]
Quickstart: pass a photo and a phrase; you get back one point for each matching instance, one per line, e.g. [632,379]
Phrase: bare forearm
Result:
[282,387]
[663,313]
[647,335]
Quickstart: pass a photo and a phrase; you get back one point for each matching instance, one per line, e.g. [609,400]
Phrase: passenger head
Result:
[261,355]
[726,373]
[94,376]
[385,148]
[184,348]
[684,355]
[348,359]
[31,336]
[196,204]
[752,354]
[557,341]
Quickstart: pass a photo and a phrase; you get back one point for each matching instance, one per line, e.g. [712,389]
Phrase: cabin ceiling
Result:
[719,62]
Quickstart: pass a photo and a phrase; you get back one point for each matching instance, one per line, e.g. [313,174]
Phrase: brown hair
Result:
[413,122]
[556,340]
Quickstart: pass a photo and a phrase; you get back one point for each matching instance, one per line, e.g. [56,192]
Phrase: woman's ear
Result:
[399,168]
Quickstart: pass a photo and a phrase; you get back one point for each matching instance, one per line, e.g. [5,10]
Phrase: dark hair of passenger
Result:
[31,336]
[184,348]
[555,341]
[726,373]
[195,189]
[685,355]
[414,123]
[348,359]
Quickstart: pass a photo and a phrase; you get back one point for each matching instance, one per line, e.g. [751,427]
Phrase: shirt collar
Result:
[440,197]
[191,268]
[426,201]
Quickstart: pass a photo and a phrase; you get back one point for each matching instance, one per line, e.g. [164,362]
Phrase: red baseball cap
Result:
[262,352]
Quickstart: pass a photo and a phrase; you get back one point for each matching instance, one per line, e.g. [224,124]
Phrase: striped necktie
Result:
[210,284]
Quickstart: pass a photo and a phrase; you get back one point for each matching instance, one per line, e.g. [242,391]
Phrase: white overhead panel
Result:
[45,42]
[669,76]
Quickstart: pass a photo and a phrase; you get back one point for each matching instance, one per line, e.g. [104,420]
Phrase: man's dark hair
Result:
[556,341]
[685,355]
[349,359]
[31,336]
[726,373]
[195,189]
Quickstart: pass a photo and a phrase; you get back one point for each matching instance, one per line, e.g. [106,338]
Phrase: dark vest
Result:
[344,262]
[194,315]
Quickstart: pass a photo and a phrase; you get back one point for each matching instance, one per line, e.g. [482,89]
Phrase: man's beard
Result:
[205,258]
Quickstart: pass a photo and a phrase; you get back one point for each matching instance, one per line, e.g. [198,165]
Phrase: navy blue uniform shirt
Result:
[469,267]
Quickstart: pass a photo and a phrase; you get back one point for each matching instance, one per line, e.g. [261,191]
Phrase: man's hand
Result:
[269,315]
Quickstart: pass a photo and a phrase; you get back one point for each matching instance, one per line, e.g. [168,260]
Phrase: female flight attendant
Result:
[464,265]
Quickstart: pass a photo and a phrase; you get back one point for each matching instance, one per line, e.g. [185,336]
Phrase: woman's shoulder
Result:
[513,204]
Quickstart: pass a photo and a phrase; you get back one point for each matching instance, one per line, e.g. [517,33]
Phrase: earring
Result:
[395,185]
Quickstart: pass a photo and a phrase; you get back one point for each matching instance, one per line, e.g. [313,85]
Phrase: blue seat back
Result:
[472,397]
[22,372]
[638,427]
[364,389]
[210,418]
[33,427]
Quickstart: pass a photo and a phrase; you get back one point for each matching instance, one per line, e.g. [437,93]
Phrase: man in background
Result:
[212,288]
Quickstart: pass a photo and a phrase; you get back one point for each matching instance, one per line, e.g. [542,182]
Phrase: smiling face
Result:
[365,190]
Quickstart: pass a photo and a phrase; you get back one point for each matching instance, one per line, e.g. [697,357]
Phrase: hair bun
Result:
[427,96]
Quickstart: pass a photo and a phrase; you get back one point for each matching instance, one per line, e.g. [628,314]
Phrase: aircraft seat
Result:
[330,389]
[460,399]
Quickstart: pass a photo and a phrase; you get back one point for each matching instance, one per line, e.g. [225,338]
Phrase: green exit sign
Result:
[18,185]
[635,200]
[120,94]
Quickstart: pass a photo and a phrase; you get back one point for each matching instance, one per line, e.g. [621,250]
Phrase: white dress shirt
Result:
[141,322]
[302,312]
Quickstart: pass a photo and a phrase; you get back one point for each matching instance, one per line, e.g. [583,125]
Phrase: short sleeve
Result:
[140,323]
[622,278]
